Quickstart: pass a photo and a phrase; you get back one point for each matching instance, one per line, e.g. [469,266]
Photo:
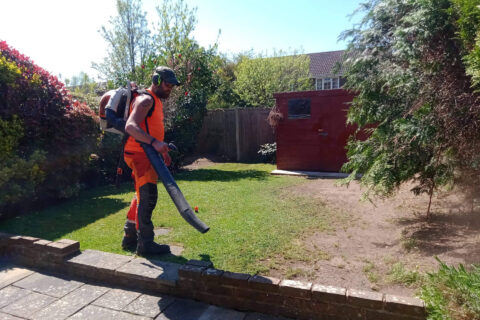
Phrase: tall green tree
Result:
[225,96]
[129,42]
[467,13]
[414,96]
[195,67]
[259,77]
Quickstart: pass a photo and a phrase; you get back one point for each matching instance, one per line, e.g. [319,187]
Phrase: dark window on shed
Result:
[298,108]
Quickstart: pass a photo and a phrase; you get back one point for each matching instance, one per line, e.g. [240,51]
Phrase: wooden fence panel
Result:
[235,134]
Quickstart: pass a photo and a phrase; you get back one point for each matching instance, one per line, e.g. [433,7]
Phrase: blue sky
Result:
[62,35]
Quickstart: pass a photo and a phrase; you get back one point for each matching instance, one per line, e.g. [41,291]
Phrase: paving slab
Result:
[261,316]
[25,307]
[10,273]
[71,303]
[149,306]
[316,174]
[176,250]
[116,299]
[183,309]
[217,313]
[161,231]
[95,313]
[50,285]
[41,297]
[5,316]
[11,294]
[102,261]
[165,272]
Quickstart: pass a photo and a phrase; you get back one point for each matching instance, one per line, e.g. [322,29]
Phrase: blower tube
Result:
[173,190]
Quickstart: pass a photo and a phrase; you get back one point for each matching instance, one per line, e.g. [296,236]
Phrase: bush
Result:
[268,152]
[452,293]
[47,137]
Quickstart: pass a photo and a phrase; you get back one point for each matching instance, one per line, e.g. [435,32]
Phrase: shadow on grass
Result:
[60,219]
[69,215]
[220,175]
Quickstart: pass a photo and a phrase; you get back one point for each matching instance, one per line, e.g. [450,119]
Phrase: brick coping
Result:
[200,281]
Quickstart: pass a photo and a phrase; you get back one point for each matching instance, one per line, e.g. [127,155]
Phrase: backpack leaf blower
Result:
[172,188]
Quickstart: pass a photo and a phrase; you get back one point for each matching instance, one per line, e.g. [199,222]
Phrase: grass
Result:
[370,271]
[401,275]
[452,293]
[252,216]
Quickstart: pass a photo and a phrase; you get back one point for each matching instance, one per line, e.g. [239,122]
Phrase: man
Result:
[145,124]
[130,242]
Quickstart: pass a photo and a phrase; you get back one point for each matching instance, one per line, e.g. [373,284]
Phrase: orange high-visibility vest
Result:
[155,125]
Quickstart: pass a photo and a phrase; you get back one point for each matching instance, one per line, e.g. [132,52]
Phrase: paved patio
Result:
[29,294]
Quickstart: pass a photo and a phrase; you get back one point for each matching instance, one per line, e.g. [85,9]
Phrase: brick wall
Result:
[291,298]
[200,281]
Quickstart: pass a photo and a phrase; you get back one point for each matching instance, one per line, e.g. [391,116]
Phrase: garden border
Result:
[200,281]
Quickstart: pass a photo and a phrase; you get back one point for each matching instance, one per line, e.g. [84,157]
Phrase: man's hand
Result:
[167,159]
[162,148]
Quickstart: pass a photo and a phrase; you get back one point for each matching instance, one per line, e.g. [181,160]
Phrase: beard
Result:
[161,94]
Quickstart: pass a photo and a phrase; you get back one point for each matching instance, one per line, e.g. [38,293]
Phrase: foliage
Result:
[467,13]
[19,177]
[258,78]
[129,42]
[195,68]
[235,200]
[46,136]
[86,90]
[413,96]
[225,96]
[452,293]
[268,152]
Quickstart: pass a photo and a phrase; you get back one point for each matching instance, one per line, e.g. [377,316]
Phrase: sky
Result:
[62,36]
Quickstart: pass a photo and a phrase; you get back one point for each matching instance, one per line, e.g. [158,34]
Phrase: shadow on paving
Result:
[175,258]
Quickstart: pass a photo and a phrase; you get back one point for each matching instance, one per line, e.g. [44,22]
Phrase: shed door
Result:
[313,134]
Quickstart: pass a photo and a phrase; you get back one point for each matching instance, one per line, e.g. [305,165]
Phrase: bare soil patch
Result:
[380,245]
[369,240]
[198,162]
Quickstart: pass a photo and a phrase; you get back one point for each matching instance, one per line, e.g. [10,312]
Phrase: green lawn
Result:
[252,216]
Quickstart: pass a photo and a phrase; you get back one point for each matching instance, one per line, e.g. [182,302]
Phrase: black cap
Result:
[167,75]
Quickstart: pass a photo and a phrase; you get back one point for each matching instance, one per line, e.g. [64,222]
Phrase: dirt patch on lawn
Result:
[198,162]
[386,245]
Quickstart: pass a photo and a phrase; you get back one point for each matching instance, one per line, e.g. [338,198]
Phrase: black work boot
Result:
[129,241]
[151,247]
[148,200]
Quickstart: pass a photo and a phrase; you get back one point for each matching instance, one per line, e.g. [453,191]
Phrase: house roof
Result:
[322,63]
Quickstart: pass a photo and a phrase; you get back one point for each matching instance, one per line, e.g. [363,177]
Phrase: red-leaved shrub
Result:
[47,137]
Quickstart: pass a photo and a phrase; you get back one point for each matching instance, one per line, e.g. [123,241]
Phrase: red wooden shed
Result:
[313,134]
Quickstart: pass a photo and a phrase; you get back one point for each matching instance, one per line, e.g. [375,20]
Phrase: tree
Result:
[407,65]
[225,96]
[468,21]
[129,41]
[258,78]
[194,66]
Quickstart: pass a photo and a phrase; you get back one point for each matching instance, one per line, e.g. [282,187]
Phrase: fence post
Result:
[237,134]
